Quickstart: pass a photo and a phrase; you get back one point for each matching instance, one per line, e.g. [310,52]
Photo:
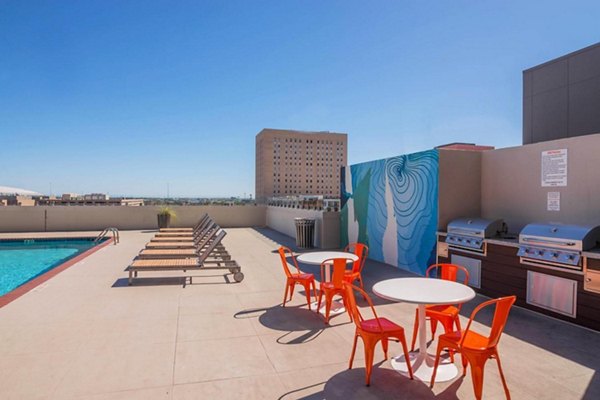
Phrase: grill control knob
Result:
[554,255]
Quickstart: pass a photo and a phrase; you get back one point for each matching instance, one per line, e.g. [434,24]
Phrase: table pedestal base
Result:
[421,362]
[422,366]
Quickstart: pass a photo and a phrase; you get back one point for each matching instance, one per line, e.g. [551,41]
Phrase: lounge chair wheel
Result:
[238,276]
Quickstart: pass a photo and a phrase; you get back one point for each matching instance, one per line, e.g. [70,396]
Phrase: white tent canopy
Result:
[21,192]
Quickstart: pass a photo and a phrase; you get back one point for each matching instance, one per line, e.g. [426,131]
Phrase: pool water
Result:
[24,260]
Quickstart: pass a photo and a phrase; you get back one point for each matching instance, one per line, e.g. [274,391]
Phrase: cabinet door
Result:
[552,293]
[472,265]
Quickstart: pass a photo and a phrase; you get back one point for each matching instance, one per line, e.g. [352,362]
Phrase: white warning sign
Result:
[553,201]
[554,168]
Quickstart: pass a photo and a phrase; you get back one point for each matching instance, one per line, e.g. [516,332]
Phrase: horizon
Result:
[129,98]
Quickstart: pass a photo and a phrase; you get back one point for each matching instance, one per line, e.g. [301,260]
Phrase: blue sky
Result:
[123,97]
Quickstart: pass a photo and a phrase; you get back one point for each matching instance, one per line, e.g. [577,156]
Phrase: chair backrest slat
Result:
[283,254]
[203,226]
[212,245]
[201,221]
[339,267]
[503,306]
[208,235]
[362,252]
[352,306]
[353,309]
[336,277]
[448,272]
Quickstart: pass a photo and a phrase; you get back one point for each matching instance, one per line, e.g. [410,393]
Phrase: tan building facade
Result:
[296,163]
[16,200]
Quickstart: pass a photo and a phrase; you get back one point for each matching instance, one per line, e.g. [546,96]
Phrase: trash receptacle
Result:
[305,232]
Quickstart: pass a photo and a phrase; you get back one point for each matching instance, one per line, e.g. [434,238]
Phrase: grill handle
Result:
[542,241]
[464,232]
[552,265]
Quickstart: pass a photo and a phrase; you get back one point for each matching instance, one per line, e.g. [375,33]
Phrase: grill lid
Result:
[469,233]
[575,237]
[478,227]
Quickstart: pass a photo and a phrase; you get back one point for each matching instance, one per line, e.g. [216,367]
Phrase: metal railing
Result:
[107,231]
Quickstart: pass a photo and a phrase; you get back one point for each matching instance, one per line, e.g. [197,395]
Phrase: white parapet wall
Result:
[90,218]
[327,224]
[86,218]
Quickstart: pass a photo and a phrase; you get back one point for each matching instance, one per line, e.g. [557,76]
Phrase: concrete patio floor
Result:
[85,334]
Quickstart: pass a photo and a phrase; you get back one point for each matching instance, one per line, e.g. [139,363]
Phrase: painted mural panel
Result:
[391,205]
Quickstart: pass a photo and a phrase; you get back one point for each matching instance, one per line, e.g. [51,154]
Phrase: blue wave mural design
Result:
[378,213]
[405,187]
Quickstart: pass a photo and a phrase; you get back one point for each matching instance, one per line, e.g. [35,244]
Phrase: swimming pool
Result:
[24,260]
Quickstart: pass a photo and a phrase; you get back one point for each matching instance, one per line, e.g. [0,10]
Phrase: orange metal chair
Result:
[362,252]
[476,349]
[446,314]
[299,277]
[332,286]
[372,331]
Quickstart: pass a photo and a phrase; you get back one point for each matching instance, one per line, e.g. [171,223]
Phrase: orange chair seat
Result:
[330,286]
[371,325]
[442,309]
[473,341]
[303,276]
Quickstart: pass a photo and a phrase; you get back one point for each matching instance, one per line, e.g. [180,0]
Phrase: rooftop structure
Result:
[16,200]
[85,333]
[561,97]
[292,163]
[464,146]
[94,199]
[70,196]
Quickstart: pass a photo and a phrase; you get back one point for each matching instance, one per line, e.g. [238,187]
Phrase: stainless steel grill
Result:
[556,245]
[468,234]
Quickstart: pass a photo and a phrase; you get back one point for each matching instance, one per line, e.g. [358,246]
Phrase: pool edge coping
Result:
[32,284]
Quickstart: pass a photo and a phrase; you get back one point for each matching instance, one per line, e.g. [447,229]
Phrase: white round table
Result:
[423,291]
[317,258]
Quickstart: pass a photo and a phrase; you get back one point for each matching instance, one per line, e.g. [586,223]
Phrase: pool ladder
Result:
[106,232]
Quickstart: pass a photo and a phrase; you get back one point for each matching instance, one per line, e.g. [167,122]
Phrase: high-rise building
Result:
[296,163]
